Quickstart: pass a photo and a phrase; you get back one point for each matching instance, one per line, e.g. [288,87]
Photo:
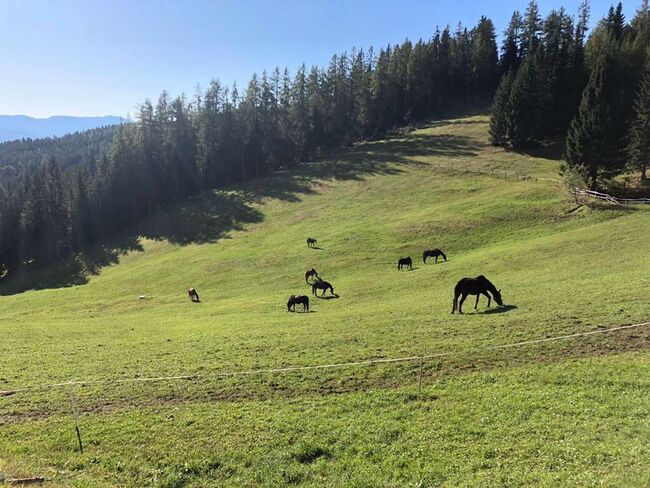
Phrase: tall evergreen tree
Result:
[638,146]
[499,117]
[510,48]
[589,142]
[523,104]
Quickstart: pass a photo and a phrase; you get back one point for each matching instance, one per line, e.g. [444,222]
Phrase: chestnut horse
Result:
[408,262]
[433,253]
[310,274]
[298,299]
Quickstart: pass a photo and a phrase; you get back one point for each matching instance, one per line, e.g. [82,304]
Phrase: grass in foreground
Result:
[244,250]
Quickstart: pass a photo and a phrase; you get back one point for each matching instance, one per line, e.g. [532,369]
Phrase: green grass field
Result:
[567,413]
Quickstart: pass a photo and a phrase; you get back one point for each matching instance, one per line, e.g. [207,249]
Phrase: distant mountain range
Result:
[22,127]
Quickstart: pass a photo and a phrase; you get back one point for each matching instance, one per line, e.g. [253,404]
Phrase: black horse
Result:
[433,253]
[311,242]
[408,262]
[311,274]
[475,286]
[322,285]
[298,299]
[194,296]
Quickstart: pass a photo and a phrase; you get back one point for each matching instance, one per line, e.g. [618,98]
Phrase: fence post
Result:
[75,413]
[421,372]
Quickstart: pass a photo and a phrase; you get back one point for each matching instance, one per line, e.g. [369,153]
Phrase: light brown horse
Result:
[194,296]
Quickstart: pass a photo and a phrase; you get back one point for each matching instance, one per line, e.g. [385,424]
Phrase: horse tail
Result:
[457,292]
[424,257]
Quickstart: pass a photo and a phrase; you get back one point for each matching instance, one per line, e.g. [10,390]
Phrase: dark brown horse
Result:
[408,262]
[298,299]
[311,242]
[194,296]
[433,253]
[475,286]
[322,285]
[310,274]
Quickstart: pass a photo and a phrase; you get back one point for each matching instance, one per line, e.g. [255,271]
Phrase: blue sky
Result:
[89,57]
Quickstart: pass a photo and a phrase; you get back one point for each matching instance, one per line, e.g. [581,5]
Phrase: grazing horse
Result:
[298,299]
[311,242]
[194,296]
[311,274]
[434,253]
[475,286]
[408,262]
[322,285]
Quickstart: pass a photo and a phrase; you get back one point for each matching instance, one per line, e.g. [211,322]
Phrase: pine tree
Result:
[500,111]
[523,105]
[638,147]
[485,58]
[589,142]
[510,48]
[531,29]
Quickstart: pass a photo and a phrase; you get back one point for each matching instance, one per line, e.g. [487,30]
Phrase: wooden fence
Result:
[609,198]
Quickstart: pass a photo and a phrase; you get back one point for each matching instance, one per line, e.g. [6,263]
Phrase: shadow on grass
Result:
[213,215]
[329,297]
[501,309]
[71,272]
[551,150]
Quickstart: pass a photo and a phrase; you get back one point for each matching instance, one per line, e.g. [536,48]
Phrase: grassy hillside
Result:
[537,415]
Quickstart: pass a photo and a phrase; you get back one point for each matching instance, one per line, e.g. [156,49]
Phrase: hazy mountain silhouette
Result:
[22,127]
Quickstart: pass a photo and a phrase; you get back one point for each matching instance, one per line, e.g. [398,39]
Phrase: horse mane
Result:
[488,283]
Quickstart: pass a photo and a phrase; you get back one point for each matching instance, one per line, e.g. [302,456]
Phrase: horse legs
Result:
[460,304]
[454,303]
[478,295]
[488,297]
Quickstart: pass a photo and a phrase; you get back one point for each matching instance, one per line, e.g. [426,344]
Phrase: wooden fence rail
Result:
[609,198]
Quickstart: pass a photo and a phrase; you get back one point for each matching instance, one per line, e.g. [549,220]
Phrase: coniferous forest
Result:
[549,79]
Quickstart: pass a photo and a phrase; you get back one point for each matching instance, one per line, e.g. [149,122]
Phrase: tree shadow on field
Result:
[74,271]
[551,150]
[213,215]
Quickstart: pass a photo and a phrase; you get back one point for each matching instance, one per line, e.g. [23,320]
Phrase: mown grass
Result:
[243,248]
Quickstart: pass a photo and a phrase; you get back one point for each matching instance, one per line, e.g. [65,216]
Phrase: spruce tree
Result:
[510,48]
[588,142]
[638,147]
[523,105]
[500,111]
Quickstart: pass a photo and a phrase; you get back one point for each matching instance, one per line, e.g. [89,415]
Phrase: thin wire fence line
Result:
[313,367]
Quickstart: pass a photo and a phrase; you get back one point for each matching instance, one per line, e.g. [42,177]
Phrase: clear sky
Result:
[90,57]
